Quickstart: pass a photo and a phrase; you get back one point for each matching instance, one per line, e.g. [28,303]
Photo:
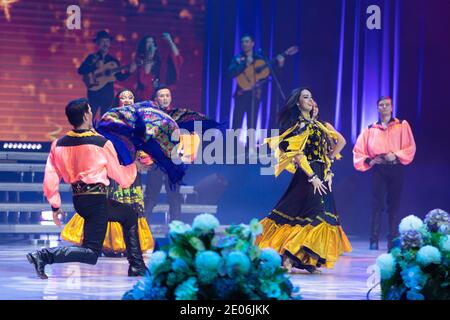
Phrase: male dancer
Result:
[156,177]
[385,147]
[85,159]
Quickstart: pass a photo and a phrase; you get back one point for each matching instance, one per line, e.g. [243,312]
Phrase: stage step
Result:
[22,167]
[37,187]
[158,230]
[160,208]
[26,156]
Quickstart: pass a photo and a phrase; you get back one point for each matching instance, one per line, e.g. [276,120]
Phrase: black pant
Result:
[101,100]
[93,209]
[387,188]
[155,179]
[243,104]
[96,211]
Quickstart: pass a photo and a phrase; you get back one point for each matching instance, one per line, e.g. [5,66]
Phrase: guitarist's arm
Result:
[237,66]
[280,58]
[88,65]
[121,76]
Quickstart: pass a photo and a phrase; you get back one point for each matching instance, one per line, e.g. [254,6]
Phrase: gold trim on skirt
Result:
[326,241]
[114,241]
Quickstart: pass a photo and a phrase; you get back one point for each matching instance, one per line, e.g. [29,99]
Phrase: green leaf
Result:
[197,244]
[176,252]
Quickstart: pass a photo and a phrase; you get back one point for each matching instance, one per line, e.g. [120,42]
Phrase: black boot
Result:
[373,245]
[39,263]
[134,254]
[46,256]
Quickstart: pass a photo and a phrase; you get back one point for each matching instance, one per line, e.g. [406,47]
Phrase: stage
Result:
[108,281]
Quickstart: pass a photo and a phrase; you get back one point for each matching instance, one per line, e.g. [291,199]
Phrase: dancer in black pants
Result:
[85,159]
[385,147]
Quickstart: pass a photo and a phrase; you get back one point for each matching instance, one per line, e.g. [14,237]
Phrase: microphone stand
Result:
[272,73]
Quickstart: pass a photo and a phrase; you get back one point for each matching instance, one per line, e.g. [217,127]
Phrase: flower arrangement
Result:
[420,268]
[200,264]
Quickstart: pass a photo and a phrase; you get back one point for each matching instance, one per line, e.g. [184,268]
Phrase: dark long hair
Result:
[140,54]
[290,112]
[116,102]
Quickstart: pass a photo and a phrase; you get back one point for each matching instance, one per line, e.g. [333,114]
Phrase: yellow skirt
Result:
[114,241]
[313,245]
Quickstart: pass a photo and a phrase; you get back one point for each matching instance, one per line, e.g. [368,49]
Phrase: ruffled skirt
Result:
[304,226]
[114,240]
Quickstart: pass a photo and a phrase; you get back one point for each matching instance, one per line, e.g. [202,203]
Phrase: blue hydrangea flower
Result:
[178,227]
[386,262]
[179,265]
[414,295]
[428,255]
[245,231]
[145,290]
[237,263]
[445,229]
[255,227]
[156,259]
[444,244]
[410,222]
[271,289]
[436,218]
[414,278]
[207,261]
[205,222]
[187,290]
[270,257]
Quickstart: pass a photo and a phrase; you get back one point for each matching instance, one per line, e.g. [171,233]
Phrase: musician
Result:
[151,71]
[102,99]
[247,101]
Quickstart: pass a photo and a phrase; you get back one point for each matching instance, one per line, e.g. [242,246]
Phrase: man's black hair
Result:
[75,111]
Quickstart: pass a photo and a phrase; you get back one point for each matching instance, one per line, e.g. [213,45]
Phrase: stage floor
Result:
[349,280]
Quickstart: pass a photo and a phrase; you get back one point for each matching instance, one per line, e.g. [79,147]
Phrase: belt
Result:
[390,163]
[81,188]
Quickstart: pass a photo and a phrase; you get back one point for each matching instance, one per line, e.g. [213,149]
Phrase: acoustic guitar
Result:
[104,74]
[259,70]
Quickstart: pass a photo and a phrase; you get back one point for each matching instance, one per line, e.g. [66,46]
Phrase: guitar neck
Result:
[273,60]
[127,66]
[119,68]
[270,62]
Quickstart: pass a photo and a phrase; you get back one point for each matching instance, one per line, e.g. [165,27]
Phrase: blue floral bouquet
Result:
[200,264]
[420,268]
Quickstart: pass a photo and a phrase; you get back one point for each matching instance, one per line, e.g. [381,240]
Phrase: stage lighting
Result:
[47,216]
[21,146]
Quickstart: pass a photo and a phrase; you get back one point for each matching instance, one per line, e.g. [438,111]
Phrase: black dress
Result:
[304,226]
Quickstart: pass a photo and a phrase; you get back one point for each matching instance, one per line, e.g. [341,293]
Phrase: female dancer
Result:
[299,227]
[114,242]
